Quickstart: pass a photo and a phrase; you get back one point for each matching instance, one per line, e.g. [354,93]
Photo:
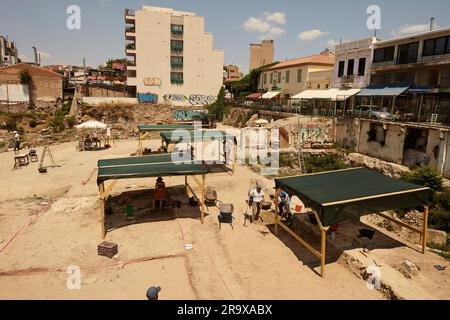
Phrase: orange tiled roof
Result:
[319,59]
[33,70]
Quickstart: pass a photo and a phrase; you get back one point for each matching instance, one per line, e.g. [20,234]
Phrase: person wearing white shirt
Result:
[256,198]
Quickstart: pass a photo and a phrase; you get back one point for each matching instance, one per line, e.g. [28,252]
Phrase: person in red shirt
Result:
[160,191]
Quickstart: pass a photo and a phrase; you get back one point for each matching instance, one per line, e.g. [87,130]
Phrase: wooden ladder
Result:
[49,153]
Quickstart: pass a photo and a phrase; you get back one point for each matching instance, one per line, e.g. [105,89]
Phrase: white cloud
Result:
[265,25]
[277,17]
[412,28]
[311,35]
[332,43]
[255,24]
[276,31]
[44,55]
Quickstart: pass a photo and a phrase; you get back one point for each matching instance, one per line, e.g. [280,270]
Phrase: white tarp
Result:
[270,94]
[330,94]
[92,124]
[14,93]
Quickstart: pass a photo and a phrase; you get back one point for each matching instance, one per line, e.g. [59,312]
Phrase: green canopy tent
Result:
[174,137]
[145,130]
[347,194]
[146,167]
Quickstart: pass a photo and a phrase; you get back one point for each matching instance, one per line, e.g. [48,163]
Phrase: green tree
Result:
[25,77]
[219,108]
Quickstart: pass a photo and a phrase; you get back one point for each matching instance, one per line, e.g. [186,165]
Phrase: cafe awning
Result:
[254,96]
[388,90]
[330,94]
[270,94]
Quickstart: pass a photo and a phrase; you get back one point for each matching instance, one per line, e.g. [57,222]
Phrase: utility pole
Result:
[432,23]
[84,70]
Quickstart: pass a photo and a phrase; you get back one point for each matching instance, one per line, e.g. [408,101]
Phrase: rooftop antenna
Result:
[35,56]
[432,23]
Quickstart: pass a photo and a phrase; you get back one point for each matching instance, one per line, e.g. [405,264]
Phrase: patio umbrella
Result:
[261,121]
[92,124]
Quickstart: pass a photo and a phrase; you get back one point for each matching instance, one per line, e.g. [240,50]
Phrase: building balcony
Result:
[423,61]
[131,63]
[176,65]
[130,33]
[130,16]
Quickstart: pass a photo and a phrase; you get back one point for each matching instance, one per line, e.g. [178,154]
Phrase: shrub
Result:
[32,123]
[443,199]
[424,176]
[326,162]
[439,220]
[71,121]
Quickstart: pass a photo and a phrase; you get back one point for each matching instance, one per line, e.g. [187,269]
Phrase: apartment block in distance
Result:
[261,54]
[9,54]
[170,57]
[231,73]
[352,61]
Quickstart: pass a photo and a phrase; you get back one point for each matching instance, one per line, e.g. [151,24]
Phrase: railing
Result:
[130,12]
[130,29]
[131,46]
[176,48]
[176,81]
[131,63]
[176,64]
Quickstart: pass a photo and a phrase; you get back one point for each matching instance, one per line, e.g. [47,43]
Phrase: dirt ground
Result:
[50,221]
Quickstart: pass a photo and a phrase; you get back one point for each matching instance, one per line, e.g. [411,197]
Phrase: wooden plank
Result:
[277,193]
[101,189]
[203,199]
[425,229]
[105,194]
[303,242]
[373,197]
[399,223]
[323,245]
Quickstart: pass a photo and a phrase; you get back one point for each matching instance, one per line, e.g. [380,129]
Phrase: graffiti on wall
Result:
[148,97]
[152,82]
[188,115]
[201,100]
[175,97]
[314,135]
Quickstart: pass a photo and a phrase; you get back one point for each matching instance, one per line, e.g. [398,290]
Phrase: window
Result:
[271,78]
[350,67]
[176,61]
[384,54]
[436,46]
[362,67]
[288,75]
[299,75]
[341,69]
[445,79]
[279,77]
[265,78]
[176,29]
[176,45]
[327,86]
[407,53]
[176,78]
[440,46]
[318,86]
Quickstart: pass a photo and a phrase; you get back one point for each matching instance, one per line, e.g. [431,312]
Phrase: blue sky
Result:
[234,23]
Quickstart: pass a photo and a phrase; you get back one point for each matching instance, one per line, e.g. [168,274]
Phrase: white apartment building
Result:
[352,63]
[171,58]
[8,52]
